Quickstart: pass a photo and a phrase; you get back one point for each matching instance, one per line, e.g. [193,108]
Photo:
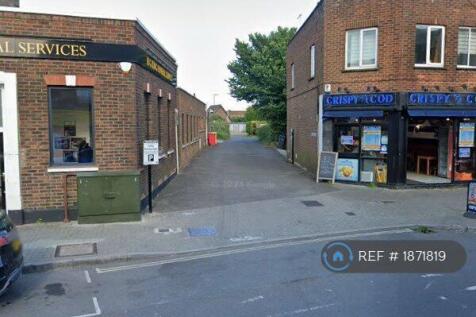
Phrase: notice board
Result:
[326,166]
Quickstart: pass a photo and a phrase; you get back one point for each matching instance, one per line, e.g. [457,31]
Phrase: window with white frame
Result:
[292,76]
[313,61]
[467,47]
[361,48]
[430,46]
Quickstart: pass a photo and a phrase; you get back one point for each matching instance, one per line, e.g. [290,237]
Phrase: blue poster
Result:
[347,170]
[371,138]
[466,134]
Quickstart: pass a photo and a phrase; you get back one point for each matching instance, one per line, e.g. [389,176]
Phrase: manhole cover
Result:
[202,232]
[350,213]
[76,249]
[312,203]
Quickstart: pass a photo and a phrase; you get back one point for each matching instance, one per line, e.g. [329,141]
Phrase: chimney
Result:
[10,3]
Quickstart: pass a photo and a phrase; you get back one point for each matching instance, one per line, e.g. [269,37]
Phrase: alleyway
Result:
[237,171]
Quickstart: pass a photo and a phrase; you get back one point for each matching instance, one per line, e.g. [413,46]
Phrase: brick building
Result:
[80,94]
[218,110]
[237,115]
[393,85]
[192,129]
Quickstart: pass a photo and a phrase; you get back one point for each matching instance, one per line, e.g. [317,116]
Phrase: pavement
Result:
[241,193]
[272,281]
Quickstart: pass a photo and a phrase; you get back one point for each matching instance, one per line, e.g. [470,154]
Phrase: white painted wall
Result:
[11,140]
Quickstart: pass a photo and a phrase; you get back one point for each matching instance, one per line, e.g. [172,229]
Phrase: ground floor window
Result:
[71,129]
[362,145]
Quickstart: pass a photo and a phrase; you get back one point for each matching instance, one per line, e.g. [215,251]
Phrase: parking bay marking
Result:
[242,250]
[88,278]
[97,310]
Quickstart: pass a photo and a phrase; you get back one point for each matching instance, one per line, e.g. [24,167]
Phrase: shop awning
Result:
[353,114]
[441,113]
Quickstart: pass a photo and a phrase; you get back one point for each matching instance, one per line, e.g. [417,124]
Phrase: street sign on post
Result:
[471,201]
[151,152]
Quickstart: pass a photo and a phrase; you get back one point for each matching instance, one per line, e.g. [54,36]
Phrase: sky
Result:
[200,34]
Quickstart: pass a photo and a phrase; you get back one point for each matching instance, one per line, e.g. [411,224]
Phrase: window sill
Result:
[190,143]
[466,67]
[72,169]
[353,70]
[427,67]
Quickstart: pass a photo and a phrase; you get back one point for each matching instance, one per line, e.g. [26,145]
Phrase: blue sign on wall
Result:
[376,99]
[441,99]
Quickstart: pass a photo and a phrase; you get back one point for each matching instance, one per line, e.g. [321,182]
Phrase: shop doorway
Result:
[429,150]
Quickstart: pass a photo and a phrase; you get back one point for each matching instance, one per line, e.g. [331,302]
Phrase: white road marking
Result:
[471,288]
[245,238]
[431,275]
[443,298]
[253,299]
[171,231]
[428,285]
[97,310]
[243,250]
[88,278]
[302,310]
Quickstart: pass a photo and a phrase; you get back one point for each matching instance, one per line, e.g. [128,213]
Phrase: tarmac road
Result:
[288,280]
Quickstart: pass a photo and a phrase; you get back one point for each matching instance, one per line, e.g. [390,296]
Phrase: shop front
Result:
[402,138]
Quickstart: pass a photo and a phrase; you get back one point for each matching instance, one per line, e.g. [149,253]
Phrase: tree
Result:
[259,74]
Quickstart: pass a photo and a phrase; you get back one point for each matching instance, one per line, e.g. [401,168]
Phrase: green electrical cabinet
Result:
[108,197]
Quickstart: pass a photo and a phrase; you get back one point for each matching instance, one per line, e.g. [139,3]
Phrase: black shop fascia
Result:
[411,138]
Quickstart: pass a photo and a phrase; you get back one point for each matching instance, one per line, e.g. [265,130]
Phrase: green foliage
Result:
[259,75]
[251,126]
[218,125]
[265,134]
[238,119]
[252,114]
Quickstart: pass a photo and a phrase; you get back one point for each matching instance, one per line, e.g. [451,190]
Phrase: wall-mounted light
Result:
[125,66]
[447,119]
[451,89]
[437,88]
[465,87]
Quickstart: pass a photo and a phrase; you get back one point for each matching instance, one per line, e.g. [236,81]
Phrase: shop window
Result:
[374,141]
[361,48]
[313,61]
[293,77]
[465,164]
[429,46]
[348,139]
[71,129]
[374,170]
[467,47]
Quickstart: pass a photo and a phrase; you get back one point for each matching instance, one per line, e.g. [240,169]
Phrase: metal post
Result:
[149,169]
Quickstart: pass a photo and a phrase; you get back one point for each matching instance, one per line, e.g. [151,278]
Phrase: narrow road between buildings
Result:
[237,171]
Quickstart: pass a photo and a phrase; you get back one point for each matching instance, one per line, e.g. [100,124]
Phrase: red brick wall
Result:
[118,102]
[396,21]
[193,107]
[302,100]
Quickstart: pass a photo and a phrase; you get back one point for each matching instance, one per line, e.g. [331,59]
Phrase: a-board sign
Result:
[471,199]
[151,152]
[326,166]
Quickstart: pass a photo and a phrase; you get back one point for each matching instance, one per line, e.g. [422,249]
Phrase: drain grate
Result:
[387,201]
[350,213]
[312,203]
[76,249]
[202,232]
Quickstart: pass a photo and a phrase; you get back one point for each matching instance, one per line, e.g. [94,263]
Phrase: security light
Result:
[125,66]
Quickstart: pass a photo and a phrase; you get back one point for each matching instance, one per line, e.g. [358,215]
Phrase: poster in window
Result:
[347,139]
[466,134]
[464,152]
[62,143]
[371,138]
[69,128]
[347,170]
[76,143]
